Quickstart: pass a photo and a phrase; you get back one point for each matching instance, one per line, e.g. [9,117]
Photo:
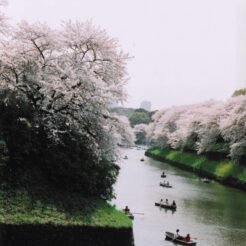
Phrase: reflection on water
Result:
[212,213]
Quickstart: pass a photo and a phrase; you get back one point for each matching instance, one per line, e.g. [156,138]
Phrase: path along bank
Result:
[224,171]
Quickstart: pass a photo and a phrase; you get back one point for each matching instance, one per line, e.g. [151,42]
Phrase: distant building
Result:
[146,105]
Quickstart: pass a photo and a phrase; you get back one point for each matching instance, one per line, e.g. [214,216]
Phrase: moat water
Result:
[213,214]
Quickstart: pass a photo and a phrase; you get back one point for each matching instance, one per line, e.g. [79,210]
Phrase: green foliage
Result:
[191,141]
[239,92]
[217,147]
[4,157]
[123,111]
[135,116]
[139,118]
[140,137]
[223,168]
[3,153]
[72,166]
[21,140]
[141,110]
[19,207]
[35,159]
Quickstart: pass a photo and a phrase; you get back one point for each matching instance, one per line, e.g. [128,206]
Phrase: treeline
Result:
[135,116]
[139,119]
[216,129]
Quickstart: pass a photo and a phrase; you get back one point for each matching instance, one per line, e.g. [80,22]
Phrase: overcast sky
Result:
[184,50]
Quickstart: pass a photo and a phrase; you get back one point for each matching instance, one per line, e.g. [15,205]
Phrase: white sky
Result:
[184,50]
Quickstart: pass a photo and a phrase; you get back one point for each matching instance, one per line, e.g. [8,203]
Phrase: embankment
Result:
[224,171]
[50,235]
[68,220]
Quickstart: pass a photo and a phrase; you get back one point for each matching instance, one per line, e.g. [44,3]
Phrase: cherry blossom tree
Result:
[233,127]
[126,135]
[69,77]
[209,127]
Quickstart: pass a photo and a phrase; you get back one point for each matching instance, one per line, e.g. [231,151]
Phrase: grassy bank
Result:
[65,219]
[35,212]
[224,170]
[20,207]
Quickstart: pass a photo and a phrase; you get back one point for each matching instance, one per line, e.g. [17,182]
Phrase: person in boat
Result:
[126,210]
[187,238]
[163,173]
[168,183]
[167,201]
[161,201]
[174,203]
[177,234]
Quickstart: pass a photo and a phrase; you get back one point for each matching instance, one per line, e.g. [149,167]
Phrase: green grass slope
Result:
[223,169]
[19,207]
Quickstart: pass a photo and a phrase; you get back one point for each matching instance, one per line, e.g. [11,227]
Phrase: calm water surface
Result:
[212,213]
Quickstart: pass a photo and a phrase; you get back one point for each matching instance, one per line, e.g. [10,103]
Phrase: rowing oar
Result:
[137,213]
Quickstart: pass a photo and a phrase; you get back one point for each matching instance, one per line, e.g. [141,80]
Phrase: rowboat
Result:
[164,205]
[130,216]
[126,157]
[128,213]
[205,180]
[163,175]
[171,237]
[165,185]
[142,159]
